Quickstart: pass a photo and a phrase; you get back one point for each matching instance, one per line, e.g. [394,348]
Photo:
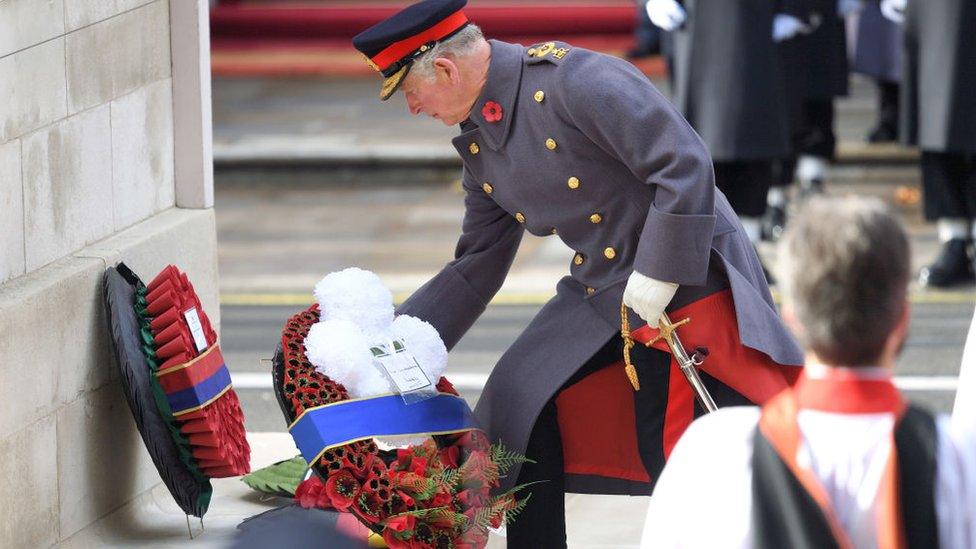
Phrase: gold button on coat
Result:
[610,253]
[551,144]
[590,291]
[519,217]
[474,148]
[488,188]
[573,183]
[539,96]
[578,259]
[595,218]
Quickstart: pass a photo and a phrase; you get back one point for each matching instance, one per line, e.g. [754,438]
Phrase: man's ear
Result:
[448,69]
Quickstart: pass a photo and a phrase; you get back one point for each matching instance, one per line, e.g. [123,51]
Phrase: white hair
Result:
[463,43]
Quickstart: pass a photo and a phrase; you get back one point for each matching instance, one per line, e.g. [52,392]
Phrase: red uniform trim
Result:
[596,415]
[398,50]
[713,326]
[597,426]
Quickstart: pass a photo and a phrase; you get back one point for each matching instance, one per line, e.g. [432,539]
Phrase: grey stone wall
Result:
[88,127]
[87,180]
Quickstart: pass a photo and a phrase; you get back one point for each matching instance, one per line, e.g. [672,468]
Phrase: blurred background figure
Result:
[938,104]
[647,36]
[878,55]
[815,71]
[727,84]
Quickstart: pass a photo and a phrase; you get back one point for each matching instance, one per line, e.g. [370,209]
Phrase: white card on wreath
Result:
[401,368]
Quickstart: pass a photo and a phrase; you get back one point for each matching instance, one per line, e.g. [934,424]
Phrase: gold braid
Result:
[628,345]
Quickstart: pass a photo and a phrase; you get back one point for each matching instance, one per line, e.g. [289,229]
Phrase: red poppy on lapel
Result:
[492,111]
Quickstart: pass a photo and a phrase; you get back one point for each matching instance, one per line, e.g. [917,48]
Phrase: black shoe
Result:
[953,266]
[773,223]
[883,133]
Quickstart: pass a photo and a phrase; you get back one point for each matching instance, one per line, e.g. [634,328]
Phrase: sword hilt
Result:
[687,364]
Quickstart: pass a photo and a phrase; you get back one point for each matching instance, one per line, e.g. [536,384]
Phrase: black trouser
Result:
[888,97]
[813,136]
[542,524]
[745,183]
[949,184]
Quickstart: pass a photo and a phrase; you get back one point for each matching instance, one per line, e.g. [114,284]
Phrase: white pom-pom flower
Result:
[424,343]
[338,349]
[357,313]
[357,296]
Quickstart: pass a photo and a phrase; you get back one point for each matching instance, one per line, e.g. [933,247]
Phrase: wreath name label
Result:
[323,428]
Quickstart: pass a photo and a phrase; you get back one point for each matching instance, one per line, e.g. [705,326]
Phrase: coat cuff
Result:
[448,302]
[675,248]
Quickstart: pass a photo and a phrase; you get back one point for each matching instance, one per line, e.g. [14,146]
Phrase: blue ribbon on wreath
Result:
[329,426]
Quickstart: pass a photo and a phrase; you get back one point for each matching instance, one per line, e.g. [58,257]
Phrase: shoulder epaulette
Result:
[552,52]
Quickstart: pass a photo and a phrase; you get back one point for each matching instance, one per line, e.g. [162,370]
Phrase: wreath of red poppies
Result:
[436,495]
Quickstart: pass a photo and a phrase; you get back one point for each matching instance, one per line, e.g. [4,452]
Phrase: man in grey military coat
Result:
[571,144]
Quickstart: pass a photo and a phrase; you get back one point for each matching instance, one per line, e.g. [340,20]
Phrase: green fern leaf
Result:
[279,479]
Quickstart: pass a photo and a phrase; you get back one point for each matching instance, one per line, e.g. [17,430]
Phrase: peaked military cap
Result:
[392,45]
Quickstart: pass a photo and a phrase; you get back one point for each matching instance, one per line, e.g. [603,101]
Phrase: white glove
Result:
[667,14]
[894,10]
[648,297]
[849,7]
[786,27]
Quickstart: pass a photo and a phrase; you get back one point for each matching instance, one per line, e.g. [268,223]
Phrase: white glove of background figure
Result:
[894,10]
[849,7]
[667,14]
[648,297]
[786,27]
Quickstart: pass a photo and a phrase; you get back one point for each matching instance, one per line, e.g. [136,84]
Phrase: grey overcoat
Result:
[588,151]
[727,78]
[938,98]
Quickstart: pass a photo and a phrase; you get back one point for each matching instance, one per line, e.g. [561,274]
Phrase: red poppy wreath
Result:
[352,378]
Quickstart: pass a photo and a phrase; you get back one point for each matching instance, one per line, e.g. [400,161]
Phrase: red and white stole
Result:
[841,391]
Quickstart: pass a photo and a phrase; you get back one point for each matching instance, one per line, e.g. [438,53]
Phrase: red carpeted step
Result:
[303,22]
[268,38]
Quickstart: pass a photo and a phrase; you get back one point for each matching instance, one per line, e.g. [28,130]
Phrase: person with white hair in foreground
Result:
[840,459]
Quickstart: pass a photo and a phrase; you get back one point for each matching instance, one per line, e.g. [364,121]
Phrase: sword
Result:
[688,364]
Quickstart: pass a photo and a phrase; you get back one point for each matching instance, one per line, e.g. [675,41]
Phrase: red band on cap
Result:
[398,50]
